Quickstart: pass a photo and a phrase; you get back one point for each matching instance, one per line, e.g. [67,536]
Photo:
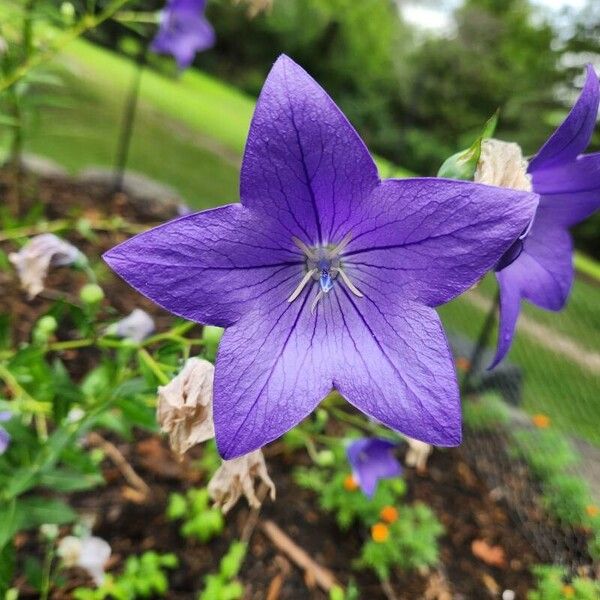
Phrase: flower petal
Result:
[211,266]
[393,363]
[570,192]
[372,459]
[546,265]
[543,274]
[431,239]
[183,31]
[573,135]
[510,307]
[272,370]
[303,161]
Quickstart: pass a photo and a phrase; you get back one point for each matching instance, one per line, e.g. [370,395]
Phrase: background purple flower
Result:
[183,31]
[4,435]
[325,276]
[372,459]
[569,188]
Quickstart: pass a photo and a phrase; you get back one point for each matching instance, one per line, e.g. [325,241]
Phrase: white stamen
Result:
[307,277]
[313,306]
[348,283]
[338,249]
[305,249]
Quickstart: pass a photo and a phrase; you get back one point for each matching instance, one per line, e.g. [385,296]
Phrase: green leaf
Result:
[36,510]
[231,563]
[33,572]
[7,567]
[67,480]
[7,524]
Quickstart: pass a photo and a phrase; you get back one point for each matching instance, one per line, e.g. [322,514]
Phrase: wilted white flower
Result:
[34,259]
[502,164]
[89,553]
[185,406]
[3,46]
[417,454]
[136,326]
[236,477]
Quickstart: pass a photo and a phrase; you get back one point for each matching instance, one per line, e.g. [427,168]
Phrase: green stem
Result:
[64,224]
[153,366]
[47,571]
[355,420]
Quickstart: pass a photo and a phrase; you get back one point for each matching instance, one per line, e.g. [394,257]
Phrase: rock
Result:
[42,166]
[157,200]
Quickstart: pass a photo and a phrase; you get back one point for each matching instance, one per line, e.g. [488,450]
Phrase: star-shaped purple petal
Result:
[569,188]
[372,459]
[183,31]
[324,276]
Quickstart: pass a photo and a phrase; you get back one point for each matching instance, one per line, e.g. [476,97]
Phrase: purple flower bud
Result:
[372,459]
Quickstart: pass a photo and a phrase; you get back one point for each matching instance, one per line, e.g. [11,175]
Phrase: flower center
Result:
[323,265]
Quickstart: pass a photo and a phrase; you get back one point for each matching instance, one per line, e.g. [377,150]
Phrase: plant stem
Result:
[480,345]
[153,366]
[127,124]
[64,224]
[47,571]
[354,420]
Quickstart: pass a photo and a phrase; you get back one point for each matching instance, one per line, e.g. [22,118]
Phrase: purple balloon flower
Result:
[372,459]
[324,275]
[183,31]
[4,435]
[540,268]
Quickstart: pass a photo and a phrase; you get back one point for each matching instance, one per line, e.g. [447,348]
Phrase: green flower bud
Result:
[67,10]
[47,324]
[91,293]
[321,416]
[463,164]
[325,458]
[211,336]
[49,531]
[44,328]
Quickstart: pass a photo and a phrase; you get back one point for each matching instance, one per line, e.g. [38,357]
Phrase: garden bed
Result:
[474,515]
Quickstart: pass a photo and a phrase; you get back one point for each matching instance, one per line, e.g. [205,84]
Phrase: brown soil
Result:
[462,502]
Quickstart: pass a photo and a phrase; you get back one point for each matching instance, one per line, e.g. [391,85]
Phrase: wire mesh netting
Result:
[531,424]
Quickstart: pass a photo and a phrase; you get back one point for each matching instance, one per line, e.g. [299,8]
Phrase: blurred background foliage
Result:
[416,93]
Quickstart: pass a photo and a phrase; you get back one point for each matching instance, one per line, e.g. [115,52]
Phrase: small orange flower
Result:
[592,510]
[350,484]
[568,591]
[541,421]
[380,533]
[463,364]
[389,514]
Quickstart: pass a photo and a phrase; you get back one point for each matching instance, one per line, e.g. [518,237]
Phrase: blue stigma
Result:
[325,281]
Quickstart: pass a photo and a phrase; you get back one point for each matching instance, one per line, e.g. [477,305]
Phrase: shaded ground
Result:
[456,494]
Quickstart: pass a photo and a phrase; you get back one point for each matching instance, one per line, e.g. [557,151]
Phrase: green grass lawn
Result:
[190,133]
[553,385]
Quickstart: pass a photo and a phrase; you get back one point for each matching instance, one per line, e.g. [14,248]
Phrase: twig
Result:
[386,586]
[120,462]
[323,577]
[252,519]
